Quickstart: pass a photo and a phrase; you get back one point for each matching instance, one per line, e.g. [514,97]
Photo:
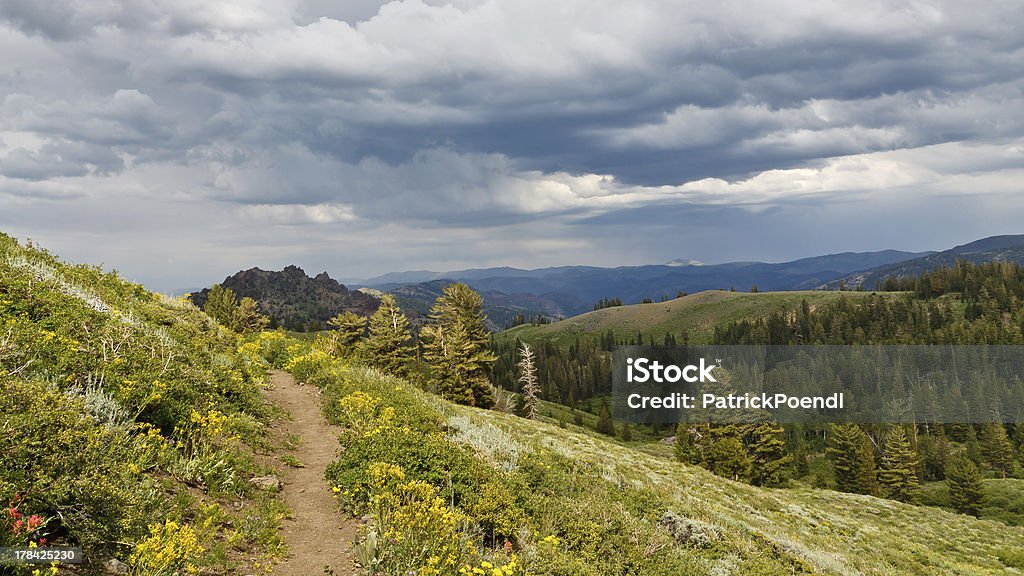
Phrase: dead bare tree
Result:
[528,378]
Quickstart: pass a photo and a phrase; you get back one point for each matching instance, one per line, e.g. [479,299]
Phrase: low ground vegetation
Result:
[130,422]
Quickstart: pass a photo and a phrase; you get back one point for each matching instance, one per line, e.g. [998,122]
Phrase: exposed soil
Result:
[319,536]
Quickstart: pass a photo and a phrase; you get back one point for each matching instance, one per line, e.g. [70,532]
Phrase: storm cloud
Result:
[181,141]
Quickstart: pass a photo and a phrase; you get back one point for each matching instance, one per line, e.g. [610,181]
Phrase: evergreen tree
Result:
[349,330]
[768,449]
[966,489]
[528,379]
[456,347]
[867,475]
[853,464]
[934,451]
[243,317]
[387,347]
[727,457]
[686,444]
[1018,439]
[898,473]
[221,304]
[605,424]
[627,433]
[996,449]
[247,317]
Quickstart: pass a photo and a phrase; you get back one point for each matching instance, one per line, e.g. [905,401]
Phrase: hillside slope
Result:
[532,497]
[834,532]
[696,314]
[128,424]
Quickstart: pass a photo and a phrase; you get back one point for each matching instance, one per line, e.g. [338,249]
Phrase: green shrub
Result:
[1011,557]
[410,409]
[312,367]
[65,466]
[426,457]
[499,514]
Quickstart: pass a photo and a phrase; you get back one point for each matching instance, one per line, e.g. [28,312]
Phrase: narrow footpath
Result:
[319,536]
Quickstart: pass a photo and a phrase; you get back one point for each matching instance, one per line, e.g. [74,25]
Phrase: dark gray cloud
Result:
[471,129]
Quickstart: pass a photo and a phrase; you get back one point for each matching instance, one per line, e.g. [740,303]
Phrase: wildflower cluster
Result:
[485,568]
[18,528]
[304,366]
[151,448]
[169,549]
[211,428]
[362,414]
[273,347]
[416,532]
[252,353]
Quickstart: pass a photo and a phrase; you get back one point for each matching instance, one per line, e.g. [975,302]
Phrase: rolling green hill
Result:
[696,314]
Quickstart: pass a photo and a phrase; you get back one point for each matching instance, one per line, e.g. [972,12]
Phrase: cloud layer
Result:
[377,136]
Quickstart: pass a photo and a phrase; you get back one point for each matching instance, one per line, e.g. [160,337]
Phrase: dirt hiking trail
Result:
[318,535]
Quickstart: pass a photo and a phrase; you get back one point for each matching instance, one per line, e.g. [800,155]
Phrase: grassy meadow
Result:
[697,314]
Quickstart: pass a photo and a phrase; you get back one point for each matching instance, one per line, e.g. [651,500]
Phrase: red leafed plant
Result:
[16,528]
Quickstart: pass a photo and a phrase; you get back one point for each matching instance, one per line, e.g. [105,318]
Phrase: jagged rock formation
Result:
[294,300]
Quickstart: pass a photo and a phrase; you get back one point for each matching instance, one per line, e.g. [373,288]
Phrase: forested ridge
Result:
[966,303]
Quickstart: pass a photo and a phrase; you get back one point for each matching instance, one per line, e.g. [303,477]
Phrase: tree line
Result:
[965,303]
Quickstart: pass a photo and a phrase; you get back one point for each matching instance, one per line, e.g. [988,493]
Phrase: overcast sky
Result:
[180,141]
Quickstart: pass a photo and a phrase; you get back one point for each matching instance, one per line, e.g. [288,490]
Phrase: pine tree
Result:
[243,317]
[867,475]
[934,454]
[627,433]
[1018,439]
[898,473]
[247,318]
[686,445]
[528,379]
[387,347]
[605,424]
[996,449]
[966,489]
[768,449]
[726,455]
[456,346]
[349,330]
[854,472]
[221,304]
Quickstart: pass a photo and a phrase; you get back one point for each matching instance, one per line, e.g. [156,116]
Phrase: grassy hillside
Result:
[481,489]
[833,532]
[697,314]
[129,422]
[1004,499]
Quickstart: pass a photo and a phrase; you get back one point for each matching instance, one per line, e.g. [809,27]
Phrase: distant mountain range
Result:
[295,300]
[570,290]
[1009,248]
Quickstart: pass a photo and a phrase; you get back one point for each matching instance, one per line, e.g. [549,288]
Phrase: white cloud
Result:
[294,215]
[460,125]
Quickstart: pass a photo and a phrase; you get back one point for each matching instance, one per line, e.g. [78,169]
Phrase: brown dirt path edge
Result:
[318,534]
